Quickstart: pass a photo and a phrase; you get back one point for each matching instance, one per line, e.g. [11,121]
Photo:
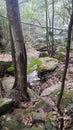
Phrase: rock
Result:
[8,82]
[48,64]
[43,54]
[38,117]
[32,54]
[5,62]
[51,89]
[32,94]
[5,105]
[32,77]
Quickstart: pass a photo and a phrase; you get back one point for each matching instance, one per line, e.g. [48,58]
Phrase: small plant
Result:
[33,65]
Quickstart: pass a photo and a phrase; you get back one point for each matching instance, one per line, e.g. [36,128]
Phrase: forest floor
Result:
[41,113]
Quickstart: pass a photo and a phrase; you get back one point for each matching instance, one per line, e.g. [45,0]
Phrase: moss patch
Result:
[10,69]
[49,117]
[45,63]
[33,65]
[36,114]
[39,104]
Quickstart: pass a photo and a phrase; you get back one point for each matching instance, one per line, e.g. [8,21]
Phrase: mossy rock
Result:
[36,115]
[32,94]
[30,67]
[41,64]
[5,105]
[40,104]
[48,64]
[13,123]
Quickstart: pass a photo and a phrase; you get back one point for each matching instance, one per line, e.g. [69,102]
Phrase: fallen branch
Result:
[36,25]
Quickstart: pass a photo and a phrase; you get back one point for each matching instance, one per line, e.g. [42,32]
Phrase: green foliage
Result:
[10,69]
[30,68]
[33,65]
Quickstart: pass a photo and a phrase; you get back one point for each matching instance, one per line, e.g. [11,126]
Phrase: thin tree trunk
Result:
[47,39]
[66,66]
[52,51]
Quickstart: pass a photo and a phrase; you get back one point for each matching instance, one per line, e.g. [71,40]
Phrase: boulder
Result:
[51,89]
[48,64]
[5,62]
[8,82]
[5,105]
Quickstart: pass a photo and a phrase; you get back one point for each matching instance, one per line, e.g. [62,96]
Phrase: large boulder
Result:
[47,64]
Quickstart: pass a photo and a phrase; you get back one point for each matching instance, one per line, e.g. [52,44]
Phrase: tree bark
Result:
[47,39]
[19,46]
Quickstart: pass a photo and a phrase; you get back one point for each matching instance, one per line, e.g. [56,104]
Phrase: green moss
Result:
[36,114]
[48,64]
[24,111]
[40,104]
[31,66]
[49,117]
[12,123]
[67,98]
[32,94]
[10,69]
[50,123]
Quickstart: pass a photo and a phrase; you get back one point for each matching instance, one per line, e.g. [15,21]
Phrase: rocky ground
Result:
[41,113]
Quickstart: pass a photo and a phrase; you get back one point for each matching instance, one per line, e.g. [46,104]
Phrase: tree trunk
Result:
[52,51]
[19,46]
[47,39]
[66,66]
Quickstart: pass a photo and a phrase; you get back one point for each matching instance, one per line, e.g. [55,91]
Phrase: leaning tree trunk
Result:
[19,46]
